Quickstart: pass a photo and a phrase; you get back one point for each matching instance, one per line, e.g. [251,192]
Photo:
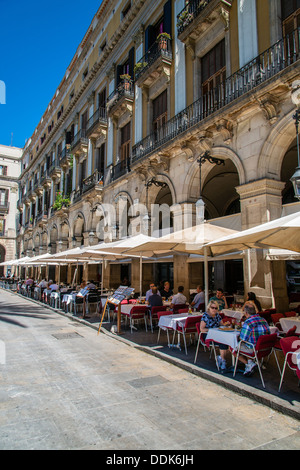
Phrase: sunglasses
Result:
[214,308]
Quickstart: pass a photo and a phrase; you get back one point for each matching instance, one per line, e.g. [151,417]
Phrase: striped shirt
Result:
[253,328]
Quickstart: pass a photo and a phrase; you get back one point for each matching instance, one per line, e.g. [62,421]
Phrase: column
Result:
[261,202]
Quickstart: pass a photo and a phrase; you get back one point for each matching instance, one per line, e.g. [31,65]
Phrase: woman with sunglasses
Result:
[212,319]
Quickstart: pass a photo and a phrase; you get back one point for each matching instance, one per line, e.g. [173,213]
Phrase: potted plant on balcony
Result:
[139,66]
[126,81]
[162,39]
[61,201]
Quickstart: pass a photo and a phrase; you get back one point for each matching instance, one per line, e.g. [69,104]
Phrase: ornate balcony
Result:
[155,63]
[65,157]
[121,100]
[258,76]
[198,15]
[97,124]
[80,143]
[55,169]
[45,179]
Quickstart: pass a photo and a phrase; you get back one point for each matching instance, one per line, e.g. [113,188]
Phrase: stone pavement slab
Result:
[62,386]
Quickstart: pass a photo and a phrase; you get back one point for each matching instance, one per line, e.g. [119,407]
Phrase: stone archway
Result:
[275,147]
[218,183]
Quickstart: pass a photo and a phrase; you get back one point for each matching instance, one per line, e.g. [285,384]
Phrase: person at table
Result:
[178,298]
[220,298]
[149,292]
[91,285]
[53,286]
[253,327]
[251,298]
[155,299]
[166,291]
[43,284]
[212,319]
[29,282]
[199,298]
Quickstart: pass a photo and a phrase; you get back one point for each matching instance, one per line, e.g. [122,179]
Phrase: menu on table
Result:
[123,292]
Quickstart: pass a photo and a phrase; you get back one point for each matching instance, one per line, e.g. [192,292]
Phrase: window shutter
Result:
[168,17]
[131,61]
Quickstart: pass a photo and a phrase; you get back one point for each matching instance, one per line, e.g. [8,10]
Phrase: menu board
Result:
[123,292]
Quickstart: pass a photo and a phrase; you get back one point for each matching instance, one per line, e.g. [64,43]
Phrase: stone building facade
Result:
[10,170]
[153,86]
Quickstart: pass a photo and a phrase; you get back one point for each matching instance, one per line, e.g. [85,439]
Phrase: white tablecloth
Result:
[231,338]
[170,321]
[126,308]
[288,323]
[237,314]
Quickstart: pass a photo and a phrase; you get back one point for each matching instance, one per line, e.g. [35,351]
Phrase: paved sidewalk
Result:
[62,386]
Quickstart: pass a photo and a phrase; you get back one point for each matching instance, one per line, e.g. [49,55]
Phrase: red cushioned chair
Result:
[276,320]
[200,341]
[153,314]
[138,312]
[178,307]
[160,314]
[263,348]
[290,314]
[289,346]
[189,327]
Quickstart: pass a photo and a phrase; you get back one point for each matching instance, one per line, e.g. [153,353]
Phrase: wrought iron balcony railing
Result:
[191,10]
[156,51]
[267,65]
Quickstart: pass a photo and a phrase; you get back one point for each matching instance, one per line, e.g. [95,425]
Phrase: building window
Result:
[213,68]
[290,22]
[160,111]
[2,227]
[100,159]
[3,197]
[125,145]
[3,170]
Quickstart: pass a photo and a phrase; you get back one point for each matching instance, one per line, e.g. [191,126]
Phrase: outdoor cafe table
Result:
[171,321]
[230,337]
[289,322]
[126,308]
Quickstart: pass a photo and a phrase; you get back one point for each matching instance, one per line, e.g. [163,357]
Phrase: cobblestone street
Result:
[65,387]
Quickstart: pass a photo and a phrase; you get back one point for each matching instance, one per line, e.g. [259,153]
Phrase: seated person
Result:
[178,298]
[253,327]
[220,298]
[43,284]
[91,285]
[149,292]
[199,298]
[251,298]
[166,291]
[212,319]
[155,299]
[53,286]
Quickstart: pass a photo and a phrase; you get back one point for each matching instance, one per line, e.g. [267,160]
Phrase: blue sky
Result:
[37,43]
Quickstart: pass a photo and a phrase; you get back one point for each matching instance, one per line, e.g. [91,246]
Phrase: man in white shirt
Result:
[178,298]
[149,292]
[199,298]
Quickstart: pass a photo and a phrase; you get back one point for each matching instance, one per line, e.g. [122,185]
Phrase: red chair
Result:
[200,341]
[290,332]
[275,319]
[189,327]
[289,346]
[266,314]
[160,314]
[263,348]
[177,307]
[137,313]
[153,314]
[290,314]
[183,310]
